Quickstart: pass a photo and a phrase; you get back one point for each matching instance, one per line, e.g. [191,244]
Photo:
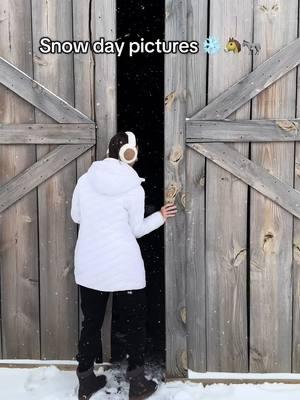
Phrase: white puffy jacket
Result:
[109,202]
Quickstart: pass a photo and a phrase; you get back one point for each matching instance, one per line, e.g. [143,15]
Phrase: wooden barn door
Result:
[242,225]
[36,320]
[49,107]
[232,252]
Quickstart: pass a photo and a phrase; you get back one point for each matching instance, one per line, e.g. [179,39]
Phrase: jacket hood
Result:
[112,177]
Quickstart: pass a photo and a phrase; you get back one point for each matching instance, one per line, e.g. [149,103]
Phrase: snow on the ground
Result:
[236,375]
[50,383]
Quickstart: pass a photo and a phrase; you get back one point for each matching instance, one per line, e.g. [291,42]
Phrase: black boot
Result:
[139,387]
[89,383]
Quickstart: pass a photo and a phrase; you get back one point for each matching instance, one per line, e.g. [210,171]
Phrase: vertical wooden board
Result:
[106,331]
[104,25]
[84,88]
[18,224]
[83,74]
[271,227]
[195,197]
[197,21]
[296,252]
[57,232]
[195,261]
[226,212]
[174,167]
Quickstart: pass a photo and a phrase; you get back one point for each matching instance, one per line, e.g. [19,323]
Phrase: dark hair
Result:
[116,142]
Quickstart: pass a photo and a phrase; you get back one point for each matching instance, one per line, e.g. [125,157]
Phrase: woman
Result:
[108,202]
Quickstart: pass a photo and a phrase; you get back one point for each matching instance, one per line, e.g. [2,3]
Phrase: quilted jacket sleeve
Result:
[75,207]
[136,209]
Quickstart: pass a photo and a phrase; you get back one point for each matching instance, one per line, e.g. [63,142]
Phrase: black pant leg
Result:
[93,306]
[132,309]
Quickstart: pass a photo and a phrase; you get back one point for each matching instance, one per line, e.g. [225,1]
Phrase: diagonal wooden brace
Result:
[262,77]
[39,96]
[37,173]
[253,175]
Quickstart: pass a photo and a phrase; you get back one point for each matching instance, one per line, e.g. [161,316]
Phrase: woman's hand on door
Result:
[168,210]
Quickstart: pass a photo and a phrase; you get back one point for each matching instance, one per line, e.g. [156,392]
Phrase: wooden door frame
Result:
[75,133]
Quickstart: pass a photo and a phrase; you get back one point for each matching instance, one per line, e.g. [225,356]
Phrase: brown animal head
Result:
[233,45]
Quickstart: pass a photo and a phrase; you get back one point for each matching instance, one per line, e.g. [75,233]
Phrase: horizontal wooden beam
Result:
[262,77]
[243,131]
[252,174]
[39,172]
[63,366]
[38,95]
[47,133]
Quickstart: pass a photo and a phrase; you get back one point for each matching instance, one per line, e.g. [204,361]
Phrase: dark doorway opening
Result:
[141,110]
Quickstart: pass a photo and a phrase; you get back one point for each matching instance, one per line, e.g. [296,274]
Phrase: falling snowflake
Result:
[211,45]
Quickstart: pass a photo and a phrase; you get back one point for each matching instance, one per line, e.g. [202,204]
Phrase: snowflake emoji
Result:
[211,45]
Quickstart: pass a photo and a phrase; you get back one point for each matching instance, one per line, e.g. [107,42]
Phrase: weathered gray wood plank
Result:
[252,174]
[271,227]
[18,225]
[38,173]
[38,95]
[195,198]
[175,112]
[226,209]
[84,88]
[197,14]
[47,133]
[57,231]
[104,25]
[296,276]
[265,74]
[243,131]
[296,252]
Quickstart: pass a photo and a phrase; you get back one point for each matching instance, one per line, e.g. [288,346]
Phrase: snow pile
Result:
[49,383]
[249,375]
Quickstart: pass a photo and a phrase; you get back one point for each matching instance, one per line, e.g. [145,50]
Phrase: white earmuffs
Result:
[131,155]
